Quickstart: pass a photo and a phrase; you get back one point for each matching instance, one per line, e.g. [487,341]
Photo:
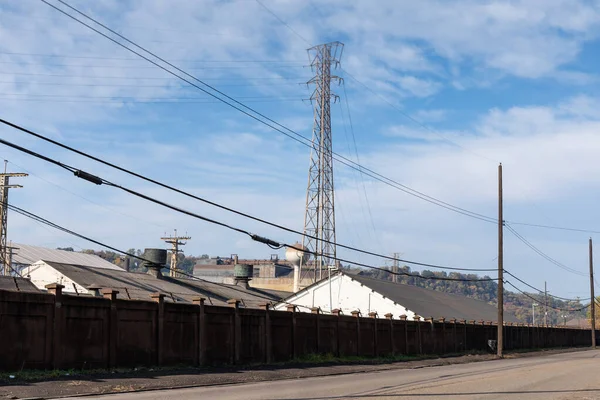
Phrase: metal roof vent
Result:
[242,273]
[155,260]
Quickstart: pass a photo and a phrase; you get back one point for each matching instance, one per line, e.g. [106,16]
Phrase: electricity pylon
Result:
[319,218]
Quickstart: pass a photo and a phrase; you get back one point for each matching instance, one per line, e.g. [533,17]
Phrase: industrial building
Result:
[86,275]
[350,293]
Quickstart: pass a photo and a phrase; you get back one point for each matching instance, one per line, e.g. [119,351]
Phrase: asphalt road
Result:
[561,376]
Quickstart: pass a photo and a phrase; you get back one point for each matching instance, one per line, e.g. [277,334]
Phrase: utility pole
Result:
[5,185]
[175,242]
[545,305]
[395,268]
[319,219]
[593,303]
[500,343]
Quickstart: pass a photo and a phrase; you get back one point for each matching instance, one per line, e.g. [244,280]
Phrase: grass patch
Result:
[310,359]
[32,375]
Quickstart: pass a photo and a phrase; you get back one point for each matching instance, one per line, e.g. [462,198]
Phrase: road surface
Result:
[562,376]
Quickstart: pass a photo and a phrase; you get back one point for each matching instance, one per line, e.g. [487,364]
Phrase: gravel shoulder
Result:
[141,380]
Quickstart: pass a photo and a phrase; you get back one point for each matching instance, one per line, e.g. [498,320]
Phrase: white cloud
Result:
[400,50]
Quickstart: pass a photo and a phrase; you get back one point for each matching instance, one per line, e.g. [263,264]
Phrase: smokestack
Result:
[242,273]
[155,261]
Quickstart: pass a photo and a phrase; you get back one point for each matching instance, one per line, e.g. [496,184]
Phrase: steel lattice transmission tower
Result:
[319,219]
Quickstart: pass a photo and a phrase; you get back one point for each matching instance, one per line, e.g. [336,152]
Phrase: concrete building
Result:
[359,293]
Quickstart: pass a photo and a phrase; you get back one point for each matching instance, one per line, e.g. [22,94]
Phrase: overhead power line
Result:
[541,253]
[284,23]
[44,221]
[545,304]
[542,291]
[245,67]
[257,116]
[398,109]
[562,228]
[137,59]
[156,78]
[100,181]
[187,194]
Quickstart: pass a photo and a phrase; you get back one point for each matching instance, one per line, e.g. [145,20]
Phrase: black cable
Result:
[100,181]
[269,242]
[305,141]
[284,23]
[42,220]
[553,227]
[543,292]
[135,59]
[245,67]
[166,186]
[544,304]
[541,253]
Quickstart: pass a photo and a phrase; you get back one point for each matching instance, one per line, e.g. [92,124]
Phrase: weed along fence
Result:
[54,330]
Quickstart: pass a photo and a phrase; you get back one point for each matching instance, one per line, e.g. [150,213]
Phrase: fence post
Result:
[56,290]
[444,345]
[373,314]
[292,308]
[454,338]
[417,318]
[160,321]
[337,312]
[199,301]
[390,317]
[111,294]
[317,312]
[268,339]
[403,318]
[356,314]
[237,330]
[432,336]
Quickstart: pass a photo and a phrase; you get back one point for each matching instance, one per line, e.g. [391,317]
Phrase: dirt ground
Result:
[149,379]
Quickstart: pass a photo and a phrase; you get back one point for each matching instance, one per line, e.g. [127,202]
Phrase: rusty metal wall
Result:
[63,331]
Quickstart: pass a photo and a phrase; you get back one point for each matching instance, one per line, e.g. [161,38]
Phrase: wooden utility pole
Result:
[395,268]
[4,186]
[545,305]
[593,303]
[175,242]
[500,343]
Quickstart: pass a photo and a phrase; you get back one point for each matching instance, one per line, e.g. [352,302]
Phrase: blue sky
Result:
[493,81]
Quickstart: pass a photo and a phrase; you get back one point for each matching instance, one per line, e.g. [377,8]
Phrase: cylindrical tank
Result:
[297,257]
[243,271]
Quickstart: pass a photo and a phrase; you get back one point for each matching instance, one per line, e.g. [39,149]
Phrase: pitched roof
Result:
[432,303]
[15,284]
[139,286]
[579,322]
[27,254]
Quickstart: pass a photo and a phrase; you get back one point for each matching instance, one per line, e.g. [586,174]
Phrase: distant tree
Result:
[65,248]
[204,256]
[589,313]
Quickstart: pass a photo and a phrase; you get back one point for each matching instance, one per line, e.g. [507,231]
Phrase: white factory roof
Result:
[27,254]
